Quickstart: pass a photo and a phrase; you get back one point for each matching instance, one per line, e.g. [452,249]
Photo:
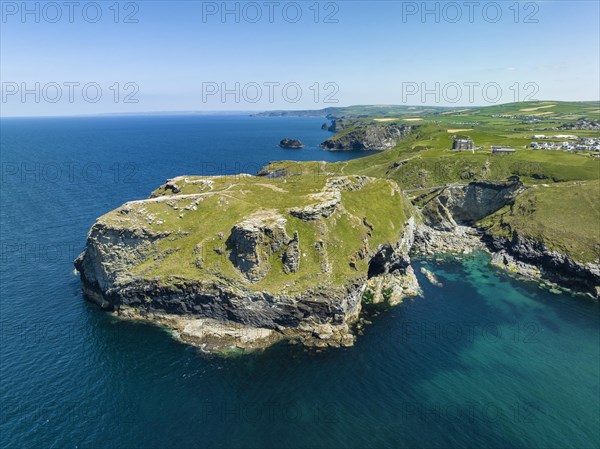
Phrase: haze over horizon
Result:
[144,57]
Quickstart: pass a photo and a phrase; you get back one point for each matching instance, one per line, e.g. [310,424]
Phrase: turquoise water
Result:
[484,361]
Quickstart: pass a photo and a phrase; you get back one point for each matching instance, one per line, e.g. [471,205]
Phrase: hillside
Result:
[562,217]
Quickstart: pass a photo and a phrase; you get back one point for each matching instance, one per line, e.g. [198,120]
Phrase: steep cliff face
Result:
[368,137]
[254,240]
[236,277]
[531,231]
[391,277]
[465,205]
[530,257]
[550,231]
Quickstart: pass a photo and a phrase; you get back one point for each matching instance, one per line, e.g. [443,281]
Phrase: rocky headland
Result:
[370,137]
[285,259]
[463,219]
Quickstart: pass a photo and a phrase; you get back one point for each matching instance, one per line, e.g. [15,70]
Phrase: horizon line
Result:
[257,111]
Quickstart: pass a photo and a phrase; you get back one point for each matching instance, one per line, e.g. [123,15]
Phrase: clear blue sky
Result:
[374,54]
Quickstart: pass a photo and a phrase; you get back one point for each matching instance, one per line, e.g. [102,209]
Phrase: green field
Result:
[565,216]
[197,244]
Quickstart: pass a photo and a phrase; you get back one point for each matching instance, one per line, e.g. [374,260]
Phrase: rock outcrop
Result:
[212,258]
[291,143]
[531,258]
[254,240]
[291,256]
[391,276]
[369,137]
[465,205]
[452,223]
[324,208]
[449,213]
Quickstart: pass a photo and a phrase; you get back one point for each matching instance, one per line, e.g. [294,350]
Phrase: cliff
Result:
[294,256]
[284,258]
[541,232]
[369,137]
[550,232]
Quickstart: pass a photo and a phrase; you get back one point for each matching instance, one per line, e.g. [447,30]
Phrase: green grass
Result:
[563,217]
[195,232]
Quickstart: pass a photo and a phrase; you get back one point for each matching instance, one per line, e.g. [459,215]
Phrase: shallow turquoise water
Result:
[484,361]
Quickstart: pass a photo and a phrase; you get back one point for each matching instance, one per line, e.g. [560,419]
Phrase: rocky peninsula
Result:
[286,257]
[368,137]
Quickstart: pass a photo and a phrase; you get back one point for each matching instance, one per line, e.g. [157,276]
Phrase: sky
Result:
[61,58]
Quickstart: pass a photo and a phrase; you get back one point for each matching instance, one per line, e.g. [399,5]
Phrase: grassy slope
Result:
[430,162]
[565,217]
[565,109]
[231,199]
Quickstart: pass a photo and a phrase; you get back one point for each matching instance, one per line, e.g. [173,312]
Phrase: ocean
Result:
[484,361]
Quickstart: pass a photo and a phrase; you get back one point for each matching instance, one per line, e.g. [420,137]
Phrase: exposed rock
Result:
[323,256]
[464,205]
[325,208]
[459,240]
[370,137]
[291,143]
[291,256]
[330,197]
[391,277]
[254,240]
[529,257]
[431,277]
[277,173]
[392,289]
[444,231]
[220,291]
[172,186]
[347,182]
[504,260]
[127,247]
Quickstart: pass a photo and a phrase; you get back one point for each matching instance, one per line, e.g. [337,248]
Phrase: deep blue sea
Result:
[484,361]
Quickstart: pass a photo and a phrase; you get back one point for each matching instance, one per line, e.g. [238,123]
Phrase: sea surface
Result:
[484,361]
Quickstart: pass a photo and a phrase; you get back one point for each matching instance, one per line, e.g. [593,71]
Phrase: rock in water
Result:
[291,143]
[431,277]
